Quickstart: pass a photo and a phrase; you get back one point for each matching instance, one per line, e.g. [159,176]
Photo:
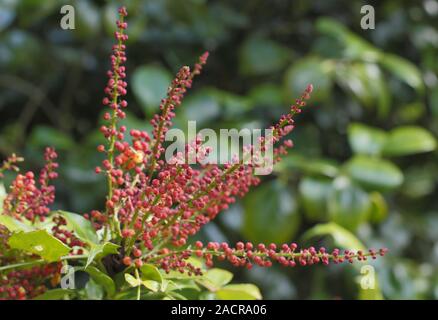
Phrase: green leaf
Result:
[262,56]
[348,205]
[150,272]
[379,208]
[39,242]
[102,279]
[132,281]
[271,213]
[354,46]
[55,294]
[43,136]
[215,279]
[314,194]
[366,140]
[309,70]
[14,225]
[98,251]
[239,292]
[295,161]
[93,290]
[149,84]
[408,140]
[2,197]
[344,239]
[374,173]
[341,236]
[82,227]
[404,70]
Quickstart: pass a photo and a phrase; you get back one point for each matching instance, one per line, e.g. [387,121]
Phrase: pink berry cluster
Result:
[155,206]
[247,255]
[29,283]
[28,200]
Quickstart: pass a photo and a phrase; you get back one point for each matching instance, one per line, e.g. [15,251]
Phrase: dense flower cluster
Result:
[153,206]
[29,283]
[26,199]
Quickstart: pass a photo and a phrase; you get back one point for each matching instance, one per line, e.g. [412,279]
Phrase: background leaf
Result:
[408,140]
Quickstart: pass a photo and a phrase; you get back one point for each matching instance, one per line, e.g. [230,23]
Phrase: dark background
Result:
[263,53]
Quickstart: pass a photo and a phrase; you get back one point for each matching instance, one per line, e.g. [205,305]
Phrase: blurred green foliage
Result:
[364,169]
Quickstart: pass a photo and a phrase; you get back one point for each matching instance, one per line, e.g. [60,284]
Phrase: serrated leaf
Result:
[14,225]
[408,140]
[98,251]
[39,242]
[239,292]
[82,227]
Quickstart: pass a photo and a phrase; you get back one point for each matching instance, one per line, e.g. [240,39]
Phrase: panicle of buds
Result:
[28,200]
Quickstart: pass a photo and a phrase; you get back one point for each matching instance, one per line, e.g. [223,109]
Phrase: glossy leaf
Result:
[314,194]
[348,205]
[271,213]
[39,242]
[366,140]
[54,294]
[14,225]
[409,140]
[216,278]
[261,56]
[98,251]
[239,292]
[102,279]
[309,70]
[149,84]
[82,227]
[404,70]
[374,172]
[150,272]
[94,290]
[341,236]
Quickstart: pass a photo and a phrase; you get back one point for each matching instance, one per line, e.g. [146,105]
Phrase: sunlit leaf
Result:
[82,227]
[39,242]
[409,140]
[374,172]
[14,225]
[239,292]
[348,205]
[54,294]
[366,140]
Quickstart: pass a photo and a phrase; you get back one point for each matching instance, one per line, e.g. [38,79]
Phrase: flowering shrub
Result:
[137,246]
